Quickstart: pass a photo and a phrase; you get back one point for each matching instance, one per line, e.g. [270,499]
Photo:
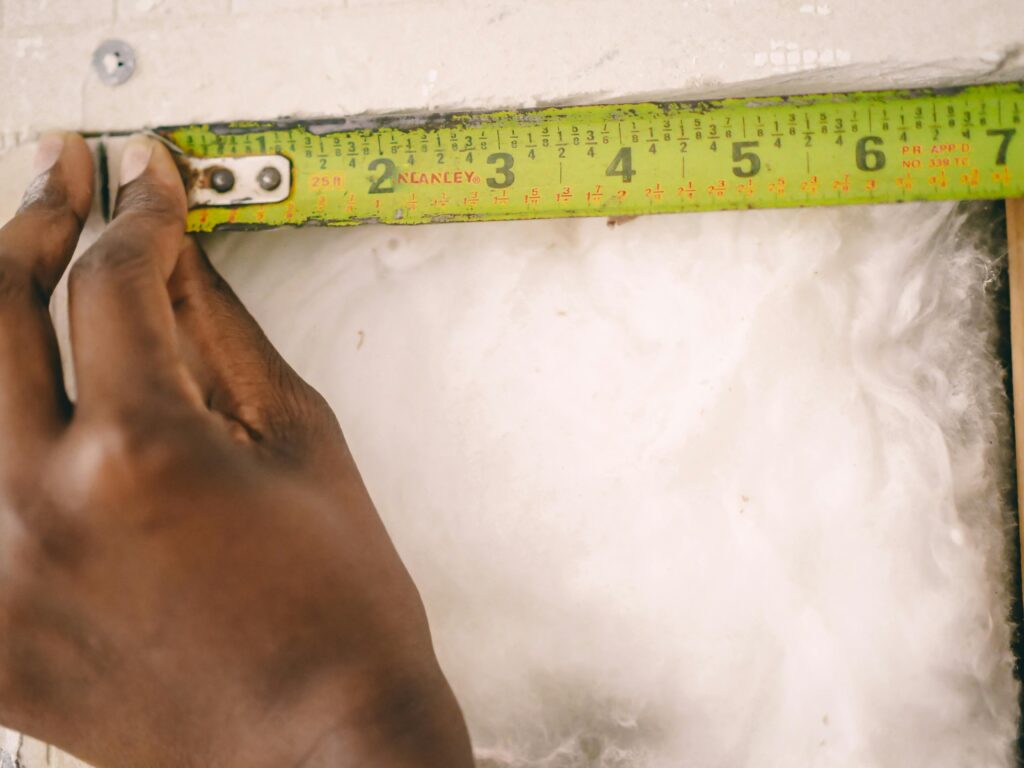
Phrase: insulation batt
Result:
[711,490]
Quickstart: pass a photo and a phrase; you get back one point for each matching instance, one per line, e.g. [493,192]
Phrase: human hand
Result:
[191,570]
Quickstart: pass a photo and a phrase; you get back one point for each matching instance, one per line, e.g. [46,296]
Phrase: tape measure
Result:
[608,160]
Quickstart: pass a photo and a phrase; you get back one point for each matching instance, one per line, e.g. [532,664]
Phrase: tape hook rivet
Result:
[269,178]
[222,180]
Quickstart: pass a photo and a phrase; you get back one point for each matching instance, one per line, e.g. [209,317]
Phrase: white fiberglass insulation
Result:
[705,490]
[693,491]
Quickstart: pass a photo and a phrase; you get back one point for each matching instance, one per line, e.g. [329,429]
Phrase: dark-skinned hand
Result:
[191,570]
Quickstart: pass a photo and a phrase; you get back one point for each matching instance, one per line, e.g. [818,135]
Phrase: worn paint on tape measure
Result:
[616,160]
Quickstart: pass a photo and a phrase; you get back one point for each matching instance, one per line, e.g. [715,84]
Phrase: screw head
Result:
[269,178]
[114,62]
[222,180]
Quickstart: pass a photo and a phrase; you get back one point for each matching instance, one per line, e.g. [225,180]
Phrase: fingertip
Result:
[48,151]
[135,157]
[64,173]
[44,232]
[77,171]
[149,178]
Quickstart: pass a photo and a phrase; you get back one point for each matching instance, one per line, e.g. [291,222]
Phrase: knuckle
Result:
[36,539]
[46,542]
[144,198]
[15,280]
[44,193]
[297,400]
[10,689]
[313,407]
[37,242]
[48,637]
[301,422]
[17,498]
[106,257]
[119,458]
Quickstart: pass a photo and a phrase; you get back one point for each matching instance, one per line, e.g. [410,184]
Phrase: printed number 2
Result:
[387,176]
[1004,144]
[622,165]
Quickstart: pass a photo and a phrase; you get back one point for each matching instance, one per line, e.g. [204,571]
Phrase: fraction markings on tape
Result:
[628,159]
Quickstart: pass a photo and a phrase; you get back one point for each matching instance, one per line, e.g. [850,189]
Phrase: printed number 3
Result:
[504,170]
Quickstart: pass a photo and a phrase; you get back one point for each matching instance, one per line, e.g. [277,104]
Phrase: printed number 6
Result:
[870,159]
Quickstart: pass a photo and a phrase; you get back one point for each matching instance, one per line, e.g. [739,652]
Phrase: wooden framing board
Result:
[1015,269]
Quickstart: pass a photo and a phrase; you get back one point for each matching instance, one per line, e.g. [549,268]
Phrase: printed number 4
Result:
[622,165]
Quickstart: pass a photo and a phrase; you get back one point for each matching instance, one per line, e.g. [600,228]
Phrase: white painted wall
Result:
[211,60]
[706,475]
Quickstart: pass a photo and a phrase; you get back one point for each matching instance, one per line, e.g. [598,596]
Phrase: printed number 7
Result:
[1004,144]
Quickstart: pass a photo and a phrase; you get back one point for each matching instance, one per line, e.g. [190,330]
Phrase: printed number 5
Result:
[738,155]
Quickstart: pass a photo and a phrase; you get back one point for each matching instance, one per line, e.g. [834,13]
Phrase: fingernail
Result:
[48,150]
[135,158]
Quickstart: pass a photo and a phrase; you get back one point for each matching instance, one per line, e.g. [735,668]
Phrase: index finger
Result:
[35,247]
[122,323]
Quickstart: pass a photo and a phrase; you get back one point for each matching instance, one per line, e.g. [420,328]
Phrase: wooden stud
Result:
[1015,268]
